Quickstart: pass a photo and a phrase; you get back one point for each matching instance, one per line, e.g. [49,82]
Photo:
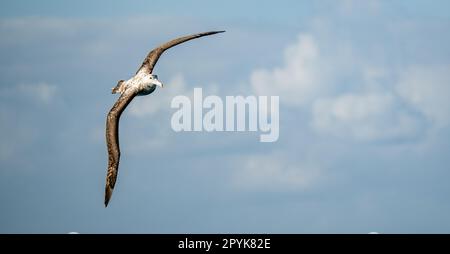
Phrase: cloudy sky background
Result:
[364,117]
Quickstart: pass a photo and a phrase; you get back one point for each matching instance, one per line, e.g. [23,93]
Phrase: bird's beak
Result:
[158,83]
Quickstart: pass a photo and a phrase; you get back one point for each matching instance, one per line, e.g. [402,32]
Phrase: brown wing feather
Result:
[154,55]
[112,140]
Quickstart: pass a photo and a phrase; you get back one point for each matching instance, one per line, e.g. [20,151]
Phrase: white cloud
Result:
[351,96]
[41,92]
[273,173]
[16,130]
[298,80]
[364,117]
[427,88]
[149,105]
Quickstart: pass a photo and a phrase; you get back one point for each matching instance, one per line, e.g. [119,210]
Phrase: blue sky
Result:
[364,117]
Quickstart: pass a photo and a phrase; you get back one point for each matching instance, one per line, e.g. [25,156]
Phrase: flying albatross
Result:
[142,83]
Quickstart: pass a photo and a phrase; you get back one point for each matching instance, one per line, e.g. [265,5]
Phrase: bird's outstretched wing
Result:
[112,139]
[153,56]
[112,121]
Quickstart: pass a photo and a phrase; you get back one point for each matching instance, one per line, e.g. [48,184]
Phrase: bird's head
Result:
[154,80]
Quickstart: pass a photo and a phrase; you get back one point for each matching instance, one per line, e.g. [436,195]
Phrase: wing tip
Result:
[209,33]
[108,194]
[217,32]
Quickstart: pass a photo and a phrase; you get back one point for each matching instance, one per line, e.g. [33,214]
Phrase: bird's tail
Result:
[120,87]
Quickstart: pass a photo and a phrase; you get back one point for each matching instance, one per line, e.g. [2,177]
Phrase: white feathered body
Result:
[143,82]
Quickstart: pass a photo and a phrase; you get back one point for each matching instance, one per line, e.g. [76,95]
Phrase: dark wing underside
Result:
[112,140]
[153,56]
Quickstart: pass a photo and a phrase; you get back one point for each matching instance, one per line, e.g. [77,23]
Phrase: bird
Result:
[144,82]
